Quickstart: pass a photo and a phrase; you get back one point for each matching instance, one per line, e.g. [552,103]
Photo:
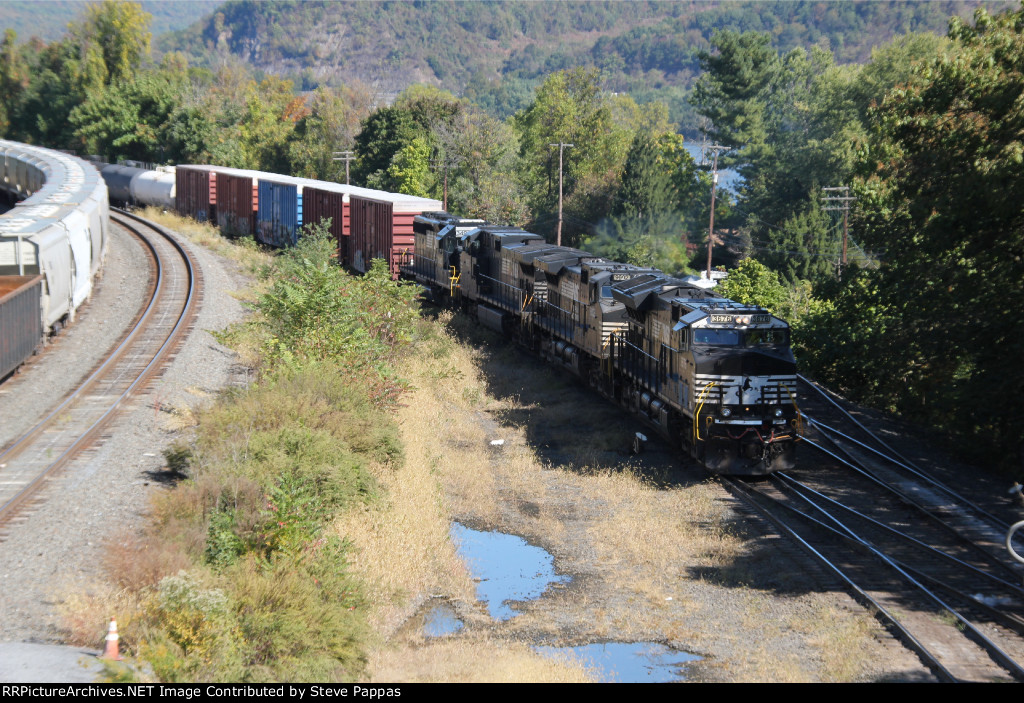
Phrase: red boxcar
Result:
[237,202]
[196,192]
[322,204]
[381,228]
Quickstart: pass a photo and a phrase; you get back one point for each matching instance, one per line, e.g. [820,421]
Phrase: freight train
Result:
[52,244]
[714,377]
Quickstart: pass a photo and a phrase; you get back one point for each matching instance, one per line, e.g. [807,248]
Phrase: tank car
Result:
[128,186]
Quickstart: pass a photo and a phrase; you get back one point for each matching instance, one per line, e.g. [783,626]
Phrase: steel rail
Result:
[994,650]
[906,464]
[909,500]
[993,557]
[114,356]
[171,339]
[1002,524]
[888,618]
[901,535]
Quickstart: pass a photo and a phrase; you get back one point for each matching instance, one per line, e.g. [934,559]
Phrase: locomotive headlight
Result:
[744,320]
[726,412]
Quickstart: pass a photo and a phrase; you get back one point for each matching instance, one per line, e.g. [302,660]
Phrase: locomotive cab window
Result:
[767,338]
[718,338]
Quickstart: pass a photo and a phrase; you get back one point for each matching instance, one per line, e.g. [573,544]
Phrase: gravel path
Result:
[55,547]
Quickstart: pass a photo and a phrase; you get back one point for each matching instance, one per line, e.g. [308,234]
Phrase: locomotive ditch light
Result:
[778,412]
[726,412]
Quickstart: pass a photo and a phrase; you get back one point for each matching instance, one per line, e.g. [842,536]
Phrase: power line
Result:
[840,202]
[714,182]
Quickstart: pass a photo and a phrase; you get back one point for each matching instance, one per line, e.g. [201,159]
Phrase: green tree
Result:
[753,283]
[570,108]
[14,78]
[652,241]
[792,131]
[330,126]
[131,118]
[267,125]
[117,35]
[940,192]
[104,49]
[384,134]
[482,157]
[647,186]
[409,171]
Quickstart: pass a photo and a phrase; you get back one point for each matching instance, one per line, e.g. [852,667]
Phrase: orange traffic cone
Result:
[110,651]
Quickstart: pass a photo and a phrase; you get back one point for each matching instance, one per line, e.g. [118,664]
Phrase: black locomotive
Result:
[714,377]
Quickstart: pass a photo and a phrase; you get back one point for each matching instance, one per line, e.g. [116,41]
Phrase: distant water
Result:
[727,179]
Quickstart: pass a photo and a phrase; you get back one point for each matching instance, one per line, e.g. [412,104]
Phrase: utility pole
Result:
[561,147]
[446,162]
[345,156]
[714,182]
[841,201]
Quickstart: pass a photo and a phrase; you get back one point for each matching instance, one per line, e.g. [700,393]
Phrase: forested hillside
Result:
[48,19]
[496,53]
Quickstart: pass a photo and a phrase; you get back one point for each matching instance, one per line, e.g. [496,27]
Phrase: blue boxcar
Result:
[280,213]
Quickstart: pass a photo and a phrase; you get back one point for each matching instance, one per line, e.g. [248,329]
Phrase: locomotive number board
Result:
[732,319]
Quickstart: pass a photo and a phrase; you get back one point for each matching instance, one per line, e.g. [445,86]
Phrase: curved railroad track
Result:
[925,559]
[139,356]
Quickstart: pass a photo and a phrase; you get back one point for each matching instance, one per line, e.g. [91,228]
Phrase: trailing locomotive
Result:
[716,378]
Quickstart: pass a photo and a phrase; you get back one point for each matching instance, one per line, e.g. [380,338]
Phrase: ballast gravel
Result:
[55,546]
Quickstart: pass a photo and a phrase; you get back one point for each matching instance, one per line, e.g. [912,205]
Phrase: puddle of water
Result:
[441,620]
[508,568]
[624,662]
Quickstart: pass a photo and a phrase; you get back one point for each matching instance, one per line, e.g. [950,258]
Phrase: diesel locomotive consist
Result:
[714,377]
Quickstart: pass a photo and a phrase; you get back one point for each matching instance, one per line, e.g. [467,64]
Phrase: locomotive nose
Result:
[751,362]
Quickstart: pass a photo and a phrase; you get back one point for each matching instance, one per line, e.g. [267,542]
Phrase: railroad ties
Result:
[77,423]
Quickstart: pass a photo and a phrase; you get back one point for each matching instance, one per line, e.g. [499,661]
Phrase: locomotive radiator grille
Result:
[746,390]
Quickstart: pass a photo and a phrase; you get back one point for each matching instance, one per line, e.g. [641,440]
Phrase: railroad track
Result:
[140,354]
[925,559]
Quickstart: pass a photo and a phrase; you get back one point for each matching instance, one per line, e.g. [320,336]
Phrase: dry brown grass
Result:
[651,535]
[137,563]
[401,544]
[839,636]
[85,613]
[244,251]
